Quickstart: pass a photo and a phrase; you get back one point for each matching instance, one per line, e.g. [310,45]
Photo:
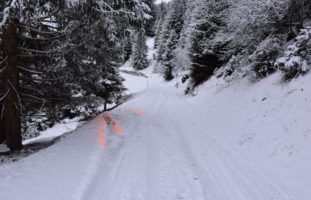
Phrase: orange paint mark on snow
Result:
[117,126]
[136,111]
[101,132]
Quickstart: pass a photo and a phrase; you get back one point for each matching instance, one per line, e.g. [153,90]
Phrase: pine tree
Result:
[174,20]
[63,49]
[139,56]
[189,20]
[27,48]
[161,14]
[150,23]
[168,56]
[204,57]
[127,47]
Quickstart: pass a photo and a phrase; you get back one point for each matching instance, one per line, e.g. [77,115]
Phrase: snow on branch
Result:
[105,8]
[53,12]
[6,13]
[1,70]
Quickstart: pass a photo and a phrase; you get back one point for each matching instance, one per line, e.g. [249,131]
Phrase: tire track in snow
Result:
[259,185]
[119,177]
[163,156]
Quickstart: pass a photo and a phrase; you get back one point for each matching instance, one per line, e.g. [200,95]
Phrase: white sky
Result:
[159,1]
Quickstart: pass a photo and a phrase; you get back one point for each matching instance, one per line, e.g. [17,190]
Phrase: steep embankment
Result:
[268,123]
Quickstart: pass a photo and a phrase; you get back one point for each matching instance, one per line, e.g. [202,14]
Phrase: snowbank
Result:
[268,123]
[58,130]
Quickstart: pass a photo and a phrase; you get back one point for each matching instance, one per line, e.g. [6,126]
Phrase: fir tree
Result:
[204,57]
[150,22]
[60,50]
[174,20]
[168,56]
[162,11]
[139,56]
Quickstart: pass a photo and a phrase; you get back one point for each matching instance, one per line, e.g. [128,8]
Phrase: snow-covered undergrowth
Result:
[46,138]
[267,122]
[58,130]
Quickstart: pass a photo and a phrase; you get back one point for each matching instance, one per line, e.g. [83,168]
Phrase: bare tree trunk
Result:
[2,133]
[105,106]
[11,102]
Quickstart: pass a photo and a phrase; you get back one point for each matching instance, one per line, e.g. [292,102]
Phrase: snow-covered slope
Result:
[268,123]
[237,142]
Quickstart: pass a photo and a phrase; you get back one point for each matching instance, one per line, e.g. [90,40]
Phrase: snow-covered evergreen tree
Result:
[150,22]
[168,56]
[174,20]
[139,52]
[297,58]
[161,14]
[263,58]
[68,54]
[204,57]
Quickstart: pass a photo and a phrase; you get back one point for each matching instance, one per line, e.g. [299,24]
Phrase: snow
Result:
[230,142]
[56,131]
[268,124]
[160,1]
[136,83]
[6,13]
[3,148]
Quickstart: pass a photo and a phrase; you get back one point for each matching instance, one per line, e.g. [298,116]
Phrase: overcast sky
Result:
[159,1]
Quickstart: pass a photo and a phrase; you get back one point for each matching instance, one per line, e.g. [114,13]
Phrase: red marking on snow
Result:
[136,111]
[101,132]
[117,126]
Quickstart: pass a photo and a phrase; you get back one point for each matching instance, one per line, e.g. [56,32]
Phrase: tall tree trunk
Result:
[2,133]
[11,102]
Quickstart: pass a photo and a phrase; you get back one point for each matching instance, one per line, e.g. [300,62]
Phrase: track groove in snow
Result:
[167,158]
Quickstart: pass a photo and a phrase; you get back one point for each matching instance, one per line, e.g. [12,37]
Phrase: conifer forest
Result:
[155,99]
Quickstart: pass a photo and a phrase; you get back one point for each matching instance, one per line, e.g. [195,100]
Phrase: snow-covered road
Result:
[168,154]
[165,153]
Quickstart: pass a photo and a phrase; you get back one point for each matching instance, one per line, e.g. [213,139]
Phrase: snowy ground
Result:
[238,142]
[56,131]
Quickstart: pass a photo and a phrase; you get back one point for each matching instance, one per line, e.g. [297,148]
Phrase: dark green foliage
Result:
[297,58]
[235,39]
[205,58]
[139,52]
[203,61]
[262,60]
[69,56]
[127,47]
[168,56]
[150,23]
[173,20]
[161,13]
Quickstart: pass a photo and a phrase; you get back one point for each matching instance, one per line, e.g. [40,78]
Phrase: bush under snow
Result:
[297,58]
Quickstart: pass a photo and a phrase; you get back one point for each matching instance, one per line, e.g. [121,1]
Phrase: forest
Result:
[155,99]
[233,39]
[60,59]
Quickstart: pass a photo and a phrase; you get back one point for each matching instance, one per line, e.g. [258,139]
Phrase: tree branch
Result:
[2,61]
[29,70]
[52,13]
[6,94]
